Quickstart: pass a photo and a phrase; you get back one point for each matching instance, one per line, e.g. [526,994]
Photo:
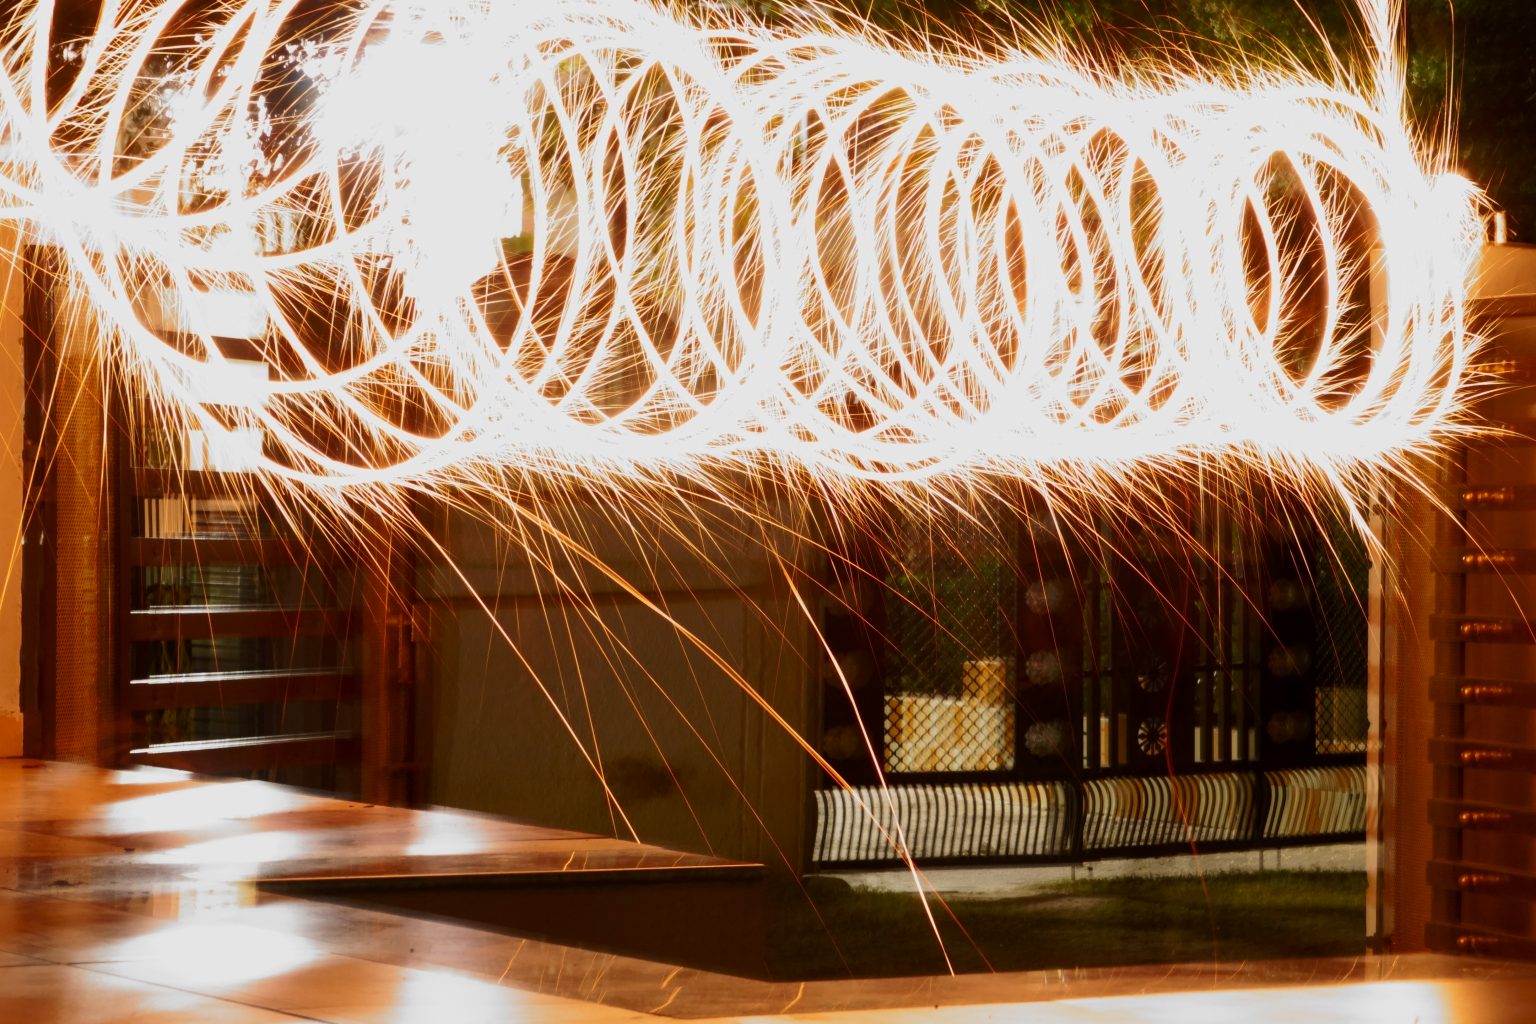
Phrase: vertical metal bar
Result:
[1449,720]
[40,545]
[1262,797]
[1090,683]
[1232,624]
[387,663]
[83,629]
[1378,914]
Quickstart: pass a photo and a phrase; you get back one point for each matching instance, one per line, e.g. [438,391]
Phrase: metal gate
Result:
[1047,694]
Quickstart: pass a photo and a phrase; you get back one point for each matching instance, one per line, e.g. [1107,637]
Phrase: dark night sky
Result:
[1492,44]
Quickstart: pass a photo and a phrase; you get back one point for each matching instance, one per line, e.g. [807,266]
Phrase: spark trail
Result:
[584,238]
[458,245]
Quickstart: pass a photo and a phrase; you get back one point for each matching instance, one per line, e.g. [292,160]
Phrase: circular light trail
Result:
[583,237]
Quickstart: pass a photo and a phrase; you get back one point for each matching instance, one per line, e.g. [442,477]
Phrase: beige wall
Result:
[12,406]
[687,755]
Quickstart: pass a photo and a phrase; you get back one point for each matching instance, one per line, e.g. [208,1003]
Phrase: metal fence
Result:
[949,666]
[1070,821]
[961,821]
[1044,700]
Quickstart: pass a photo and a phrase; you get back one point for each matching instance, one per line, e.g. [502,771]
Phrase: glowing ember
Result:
[578,237]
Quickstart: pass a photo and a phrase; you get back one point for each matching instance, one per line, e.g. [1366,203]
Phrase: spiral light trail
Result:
[590,236]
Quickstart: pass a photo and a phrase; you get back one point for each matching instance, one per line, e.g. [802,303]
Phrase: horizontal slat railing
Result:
[217,689]
[1482,692]
[167,483]
[1482,817]
[1492,497]
[236,612]
[258,753]
[1453,753]
[1481,941]
[1475,753]
[223,551]
[1485,629]
[1502,307]
[1482,879]
[196,621]
[1493,560]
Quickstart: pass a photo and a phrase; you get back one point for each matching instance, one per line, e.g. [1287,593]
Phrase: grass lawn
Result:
[1102,922]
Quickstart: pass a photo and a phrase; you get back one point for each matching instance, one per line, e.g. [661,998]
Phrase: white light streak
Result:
[587,237]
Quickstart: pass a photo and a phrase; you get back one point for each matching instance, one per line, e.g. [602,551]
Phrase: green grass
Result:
[1104,922]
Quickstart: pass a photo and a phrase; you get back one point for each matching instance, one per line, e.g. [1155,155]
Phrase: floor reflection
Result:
[219,955]
[146,913]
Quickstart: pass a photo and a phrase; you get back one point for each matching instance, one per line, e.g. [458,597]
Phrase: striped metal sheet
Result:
[1120,815]
[1315,802]
[1134,811]
[980,820]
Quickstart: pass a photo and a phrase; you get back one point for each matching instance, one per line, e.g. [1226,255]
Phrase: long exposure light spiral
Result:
[592,236]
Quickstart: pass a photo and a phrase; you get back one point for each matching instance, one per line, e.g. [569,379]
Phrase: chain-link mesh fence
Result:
[1341,583]
[949,704]
[957,664]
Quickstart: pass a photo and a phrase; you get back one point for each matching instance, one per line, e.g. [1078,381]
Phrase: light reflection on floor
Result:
[197,807]
[220,955]
[1385,1003]
[129,904]
[231,857]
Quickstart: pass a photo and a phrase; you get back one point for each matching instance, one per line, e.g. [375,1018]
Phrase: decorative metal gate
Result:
[1046,697]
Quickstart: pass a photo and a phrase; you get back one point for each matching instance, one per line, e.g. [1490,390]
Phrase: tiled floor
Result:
[126,897]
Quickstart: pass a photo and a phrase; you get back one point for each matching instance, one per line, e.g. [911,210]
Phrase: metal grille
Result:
[1042,703]
[949,702]
[1341,585]
[1257,658]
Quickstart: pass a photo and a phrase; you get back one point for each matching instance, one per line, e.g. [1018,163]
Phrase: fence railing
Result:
[1112,816]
